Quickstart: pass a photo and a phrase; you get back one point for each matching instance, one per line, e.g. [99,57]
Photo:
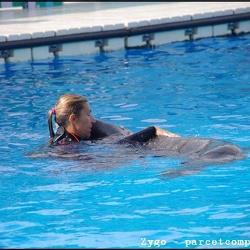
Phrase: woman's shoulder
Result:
[62,137]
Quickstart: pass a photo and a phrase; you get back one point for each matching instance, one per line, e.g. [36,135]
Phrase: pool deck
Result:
[92,27]
[77,15]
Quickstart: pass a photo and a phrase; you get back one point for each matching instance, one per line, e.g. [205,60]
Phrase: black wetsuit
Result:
[101,130]
[63,137]
[140,137]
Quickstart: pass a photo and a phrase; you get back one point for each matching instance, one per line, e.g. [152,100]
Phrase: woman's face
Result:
[82,124]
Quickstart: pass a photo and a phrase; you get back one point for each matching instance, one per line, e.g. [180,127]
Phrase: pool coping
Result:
[124,32]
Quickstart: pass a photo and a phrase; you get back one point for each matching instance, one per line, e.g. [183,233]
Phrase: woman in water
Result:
[75,123]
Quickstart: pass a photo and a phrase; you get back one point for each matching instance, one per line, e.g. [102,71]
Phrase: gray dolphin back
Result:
[205,149]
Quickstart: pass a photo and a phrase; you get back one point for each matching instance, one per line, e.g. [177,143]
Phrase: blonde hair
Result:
[65,106]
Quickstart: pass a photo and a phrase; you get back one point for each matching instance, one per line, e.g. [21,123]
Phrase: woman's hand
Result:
[163,132]
[127,132]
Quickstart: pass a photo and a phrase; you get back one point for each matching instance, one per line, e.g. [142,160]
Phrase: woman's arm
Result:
[163,132]
[147,134]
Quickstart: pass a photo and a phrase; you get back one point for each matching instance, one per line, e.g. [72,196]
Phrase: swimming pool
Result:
[116,197]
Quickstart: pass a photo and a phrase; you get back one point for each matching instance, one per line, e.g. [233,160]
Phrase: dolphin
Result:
[189,147]
[198,152]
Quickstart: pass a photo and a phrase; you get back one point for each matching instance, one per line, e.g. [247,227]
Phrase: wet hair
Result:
[65,106]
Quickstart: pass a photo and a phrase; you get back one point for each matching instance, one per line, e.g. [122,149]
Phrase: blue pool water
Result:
[116,197]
